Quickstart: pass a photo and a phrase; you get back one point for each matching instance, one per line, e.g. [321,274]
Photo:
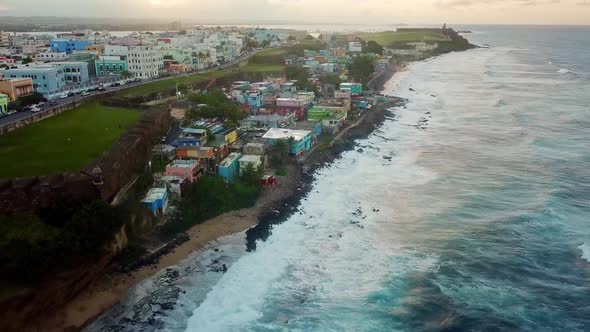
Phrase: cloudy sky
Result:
[316,11]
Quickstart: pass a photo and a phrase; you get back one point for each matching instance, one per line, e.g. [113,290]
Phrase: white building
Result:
[144,62]
[121,50]
[52,56]
[355,47]
[253,160]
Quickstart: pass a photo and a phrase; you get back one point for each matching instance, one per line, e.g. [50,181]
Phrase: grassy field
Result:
[167,84]
[257,68]
[65,142]
[388,38]
[272,51]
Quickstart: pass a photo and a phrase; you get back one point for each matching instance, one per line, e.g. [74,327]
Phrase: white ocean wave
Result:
[564,71]
[585,248]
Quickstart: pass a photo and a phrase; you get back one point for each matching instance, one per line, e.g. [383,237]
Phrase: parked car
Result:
[35,109]
[116,84]
[85,93]
[53,102]
[11,112]
[71,94]
[63,96]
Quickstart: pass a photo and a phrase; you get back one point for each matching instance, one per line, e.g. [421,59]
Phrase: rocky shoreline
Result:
[149,312]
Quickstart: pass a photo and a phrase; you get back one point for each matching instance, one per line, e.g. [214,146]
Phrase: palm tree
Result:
[291,143]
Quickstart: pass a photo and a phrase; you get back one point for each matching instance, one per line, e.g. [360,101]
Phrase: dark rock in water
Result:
[387,158]
[156,322]
[412,90]
[360,150]
[167,306]
[224,268]
[433,95]
[216,250]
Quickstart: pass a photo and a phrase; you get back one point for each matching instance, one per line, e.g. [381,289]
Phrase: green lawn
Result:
[388,38]
[256,68]
[272,51]
[167,84]
[65,142]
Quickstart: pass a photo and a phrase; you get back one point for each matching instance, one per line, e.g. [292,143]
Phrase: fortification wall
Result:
[127,156]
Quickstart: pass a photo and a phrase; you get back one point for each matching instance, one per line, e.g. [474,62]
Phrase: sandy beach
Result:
[112,288]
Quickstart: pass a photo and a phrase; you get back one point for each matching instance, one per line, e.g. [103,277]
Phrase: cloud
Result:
[469,3]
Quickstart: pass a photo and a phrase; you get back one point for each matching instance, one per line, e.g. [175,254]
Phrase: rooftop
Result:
[155,194]
[183,163]
[250,158]
[230,159]
[255,145]
[194,131]
[280,133]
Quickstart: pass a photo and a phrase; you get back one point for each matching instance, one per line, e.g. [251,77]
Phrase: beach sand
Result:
[112,288]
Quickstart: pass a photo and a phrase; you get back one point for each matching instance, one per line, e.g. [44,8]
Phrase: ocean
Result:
[467,209]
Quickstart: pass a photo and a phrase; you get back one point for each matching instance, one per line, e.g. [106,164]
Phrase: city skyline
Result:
[571,12]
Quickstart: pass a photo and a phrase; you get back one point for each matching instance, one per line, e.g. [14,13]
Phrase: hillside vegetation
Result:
[391,38]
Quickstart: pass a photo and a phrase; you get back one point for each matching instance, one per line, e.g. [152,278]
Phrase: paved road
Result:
[8,119]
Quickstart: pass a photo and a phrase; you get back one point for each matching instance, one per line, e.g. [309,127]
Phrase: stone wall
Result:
[127,156]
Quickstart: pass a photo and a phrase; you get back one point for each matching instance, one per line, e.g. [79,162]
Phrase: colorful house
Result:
[111,65]
[250,160]
[356,89]
[229,136]
[186,169]
[229,168]
[157,200]
[329,118]
[16,87]
[302,139]
[68,45]
[3,103]
[191,137]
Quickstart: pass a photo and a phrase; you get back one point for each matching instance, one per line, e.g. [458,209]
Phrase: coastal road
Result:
[9,119]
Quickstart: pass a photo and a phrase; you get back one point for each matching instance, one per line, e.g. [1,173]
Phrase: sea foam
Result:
[585,248]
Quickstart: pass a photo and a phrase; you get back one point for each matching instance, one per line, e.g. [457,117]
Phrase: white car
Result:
[85,93]
[64,96]
[35,109]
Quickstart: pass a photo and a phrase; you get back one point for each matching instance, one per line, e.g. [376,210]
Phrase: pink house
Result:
[186,169]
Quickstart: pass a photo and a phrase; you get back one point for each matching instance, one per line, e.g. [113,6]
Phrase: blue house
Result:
[47,80]
[191,137]
[229,168]
[301,139]
[157,200]
[68,45]
[254,100]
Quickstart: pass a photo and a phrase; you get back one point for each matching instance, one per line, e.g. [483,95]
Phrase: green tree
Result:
[374,47]
[331,79]
[291,143]
[309,37]
[281,146]
[125,74]
[361,68]
[183,88]
[251,175]
[31,99]
[27,60]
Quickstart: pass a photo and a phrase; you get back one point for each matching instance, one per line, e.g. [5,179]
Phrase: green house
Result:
[111,65]
[3,103]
